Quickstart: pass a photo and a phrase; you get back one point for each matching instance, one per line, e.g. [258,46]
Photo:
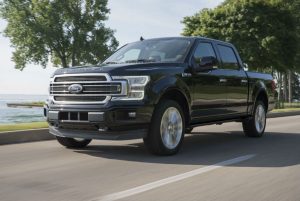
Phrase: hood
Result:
[125,69]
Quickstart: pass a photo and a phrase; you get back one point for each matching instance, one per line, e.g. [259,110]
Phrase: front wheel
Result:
[167,129]
[73,142]
[255,125]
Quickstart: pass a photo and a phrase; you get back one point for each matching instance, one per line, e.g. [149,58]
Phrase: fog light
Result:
[132,114]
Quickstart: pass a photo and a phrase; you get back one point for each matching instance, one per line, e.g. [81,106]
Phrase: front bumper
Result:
[115,123]
[103,135]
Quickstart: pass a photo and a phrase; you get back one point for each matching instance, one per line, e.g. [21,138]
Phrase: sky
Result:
[130,19]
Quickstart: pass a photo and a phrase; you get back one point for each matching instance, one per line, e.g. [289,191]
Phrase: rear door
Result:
[236,80]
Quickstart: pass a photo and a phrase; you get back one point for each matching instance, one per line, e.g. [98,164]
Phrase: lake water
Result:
[17,115]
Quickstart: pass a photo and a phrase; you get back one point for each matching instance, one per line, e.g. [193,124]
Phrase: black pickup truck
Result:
[158,90]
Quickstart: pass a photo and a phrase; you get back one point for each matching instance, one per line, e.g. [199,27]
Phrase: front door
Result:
[209,89]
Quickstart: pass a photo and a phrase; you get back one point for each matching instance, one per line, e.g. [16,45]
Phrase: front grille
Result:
[88,88]
[86,99]
[73,116]
[79,78]
[80,126]
[93,88]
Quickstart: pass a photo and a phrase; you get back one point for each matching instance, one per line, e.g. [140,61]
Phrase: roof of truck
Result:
[193,38]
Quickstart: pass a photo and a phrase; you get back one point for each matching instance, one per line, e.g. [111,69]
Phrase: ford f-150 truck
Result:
[158,90]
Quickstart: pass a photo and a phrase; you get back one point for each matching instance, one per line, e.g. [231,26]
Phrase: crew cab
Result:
[158,90]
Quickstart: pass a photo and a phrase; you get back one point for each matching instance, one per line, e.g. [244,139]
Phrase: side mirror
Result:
[246,67]
[204,64]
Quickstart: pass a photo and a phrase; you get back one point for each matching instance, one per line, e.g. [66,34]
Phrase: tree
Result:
[294,7]
[264,32]
[69,32]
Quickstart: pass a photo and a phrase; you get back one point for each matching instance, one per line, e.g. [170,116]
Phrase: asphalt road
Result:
[218,163]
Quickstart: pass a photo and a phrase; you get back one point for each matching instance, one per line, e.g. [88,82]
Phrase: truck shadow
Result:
[273,150]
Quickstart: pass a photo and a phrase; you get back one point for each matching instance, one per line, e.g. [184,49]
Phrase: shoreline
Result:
[26,105]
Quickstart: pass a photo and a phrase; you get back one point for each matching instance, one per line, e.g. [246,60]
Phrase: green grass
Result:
[22,126]
[286,110]
[287,105]
[291,105]
[26,104]
[40,103]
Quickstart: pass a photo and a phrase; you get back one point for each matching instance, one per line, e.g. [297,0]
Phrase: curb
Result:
[25,136]
[34,135]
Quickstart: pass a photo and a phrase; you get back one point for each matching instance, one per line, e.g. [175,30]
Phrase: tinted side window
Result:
[204,50]
[228,57]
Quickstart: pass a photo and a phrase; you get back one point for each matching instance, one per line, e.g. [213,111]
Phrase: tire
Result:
[167,129]
[255,125]
[73,143]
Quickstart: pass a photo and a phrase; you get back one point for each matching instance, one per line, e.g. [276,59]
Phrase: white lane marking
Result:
[156,184]
[16,131]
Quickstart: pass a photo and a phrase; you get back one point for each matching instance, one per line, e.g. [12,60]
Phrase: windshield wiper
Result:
[140,61]
[111,62]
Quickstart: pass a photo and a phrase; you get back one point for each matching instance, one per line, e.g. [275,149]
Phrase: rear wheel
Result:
[167,129]
[73,142]
[255,125]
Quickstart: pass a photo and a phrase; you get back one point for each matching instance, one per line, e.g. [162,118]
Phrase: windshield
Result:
[155,50]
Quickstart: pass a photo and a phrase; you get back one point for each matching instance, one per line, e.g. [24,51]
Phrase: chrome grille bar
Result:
[98,89]
[80,82]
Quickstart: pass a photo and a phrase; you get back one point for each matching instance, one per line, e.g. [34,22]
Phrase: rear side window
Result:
[204,50]
[228,57]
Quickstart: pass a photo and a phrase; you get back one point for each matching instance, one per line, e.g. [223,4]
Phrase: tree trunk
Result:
[285,94]
[73,59]
[279,90]
[290,85]
[74,47]
[64,62]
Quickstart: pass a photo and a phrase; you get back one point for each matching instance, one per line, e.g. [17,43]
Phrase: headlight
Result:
[136,84]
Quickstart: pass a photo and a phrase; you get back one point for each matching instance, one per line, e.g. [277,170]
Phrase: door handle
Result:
[223,80]
[244,81]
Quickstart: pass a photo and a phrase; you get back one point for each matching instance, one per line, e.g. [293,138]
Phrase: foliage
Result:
[294,6]
[264,32]
[296,86]
[69,32]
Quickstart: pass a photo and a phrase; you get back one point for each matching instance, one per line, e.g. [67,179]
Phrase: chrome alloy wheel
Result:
[260,118]
[171,128]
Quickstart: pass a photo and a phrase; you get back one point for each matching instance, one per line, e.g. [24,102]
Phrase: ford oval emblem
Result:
[75,88]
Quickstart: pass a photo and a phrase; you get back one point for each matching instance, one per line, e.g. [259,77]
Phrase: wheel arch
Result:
[176,94]
[262,95]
